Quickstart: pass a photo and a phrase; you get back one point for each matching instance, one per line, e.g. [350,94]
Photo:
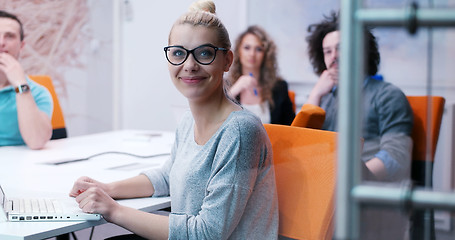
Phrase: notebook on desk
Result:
[42,209]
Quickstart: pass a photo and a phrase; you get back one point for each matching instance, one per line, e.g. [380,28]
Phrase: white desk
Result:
[25,172]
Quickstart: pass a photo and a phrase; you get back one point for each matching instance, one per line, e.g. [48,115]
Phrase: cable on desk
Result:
[110,152]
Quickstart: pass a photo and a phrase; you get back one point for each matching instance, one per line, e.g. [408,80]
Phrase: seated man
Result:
[25,107]
[386,114]
[387,122]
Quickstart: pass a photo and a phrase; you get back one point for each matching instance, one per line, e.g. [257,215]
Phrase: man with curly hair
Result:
[387,120]
[387,117]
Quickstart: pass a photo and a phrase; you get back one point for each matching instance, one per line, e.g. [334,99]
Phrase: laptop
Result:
[42,209]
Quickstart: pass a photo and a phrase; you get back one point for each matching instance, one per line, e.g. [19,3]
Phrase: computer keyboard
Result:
[42,205]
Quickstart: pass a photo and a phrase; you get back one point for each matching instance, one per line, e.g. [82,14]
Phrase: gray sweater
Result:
[224,189]
[386,126]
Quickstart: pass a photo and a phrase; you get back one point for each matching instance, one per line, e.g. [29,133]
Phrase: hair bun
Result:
[203,5]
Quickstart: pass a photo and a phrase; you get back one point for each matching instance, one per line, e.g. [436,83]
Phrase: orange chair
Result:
[292,97]
[310,116]
[304,161]
[420,131]
[58,122]
[420,156]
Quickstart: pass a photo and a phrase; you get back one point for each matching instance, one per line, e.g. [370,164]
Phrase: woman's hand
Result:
[244,83]
[92,197]
[96,200]
[84,183]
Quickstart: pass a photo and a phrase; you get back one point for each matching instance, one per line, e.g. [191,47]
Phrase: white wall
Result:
[87,102]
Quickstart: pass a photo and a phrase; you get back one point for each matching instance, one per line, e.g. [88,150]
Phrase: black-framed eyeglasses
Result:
[204,54]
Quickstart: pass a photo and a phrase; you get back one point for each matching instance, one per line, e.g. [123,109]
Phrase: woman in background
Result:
[255,81]
[220,175]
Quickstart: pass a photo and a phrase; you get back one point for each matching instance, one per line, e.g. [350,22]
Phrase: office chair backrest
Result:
[292,98]
[58,121]
[304,161]
[421,129]
[419,105]
[310,116]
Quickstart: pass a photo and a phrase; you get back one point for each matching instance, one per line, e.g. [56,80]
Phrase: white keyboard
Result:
[42,205]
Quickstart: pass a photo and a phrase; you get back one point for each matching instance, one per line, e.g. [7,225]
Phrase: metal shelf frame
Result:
[350,193]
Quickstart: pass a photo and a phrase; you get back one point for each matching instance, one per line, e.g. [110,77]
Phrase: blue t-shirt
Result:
[9,126]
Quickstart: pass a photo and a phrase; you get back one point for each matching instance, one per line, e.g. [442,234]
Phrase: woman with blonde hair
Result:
[255,81]
[220,175]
